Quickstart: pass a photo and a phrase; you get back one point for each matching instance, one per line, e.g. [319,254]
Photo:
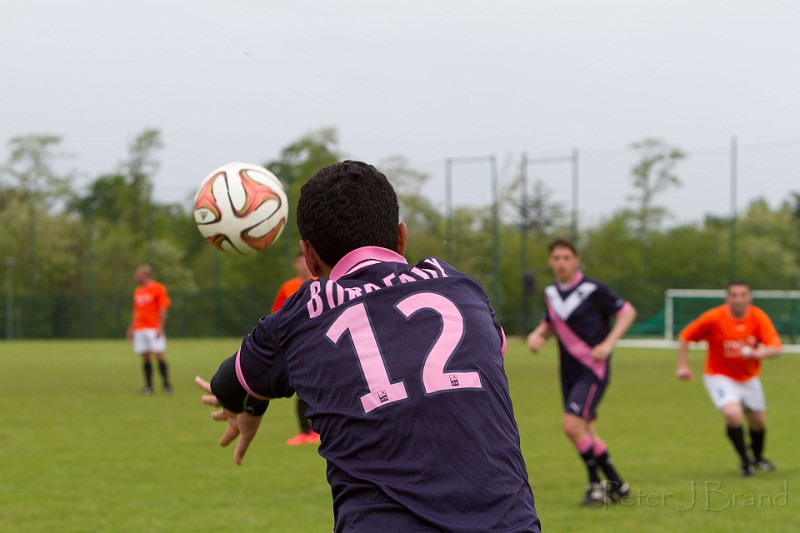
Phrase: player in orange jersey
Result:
[739,336]
[289,287]
[150,304]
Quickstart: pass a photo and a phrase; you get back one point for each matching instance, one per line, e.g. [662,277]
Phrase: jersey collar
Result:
[363,257]
[734,317]
[574,282]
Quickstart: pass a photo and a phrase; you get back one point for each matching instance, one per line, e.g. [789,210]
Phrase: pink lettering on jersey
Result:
[336,298]
[335,295]
[405,278]
[421,273]
[433,261]
[353,292]
[314,304]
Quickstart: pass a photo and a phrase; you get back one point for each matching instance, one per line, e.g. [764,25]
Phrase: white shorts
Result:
[724,390]
[146,341]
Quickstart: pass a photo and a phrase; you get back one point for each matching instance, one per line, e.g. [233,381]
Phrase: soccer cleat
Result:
[595,495]
[747,470]
[311,437]
[765,465]
[147,390]
[297,440]
[168,390]
[617,493]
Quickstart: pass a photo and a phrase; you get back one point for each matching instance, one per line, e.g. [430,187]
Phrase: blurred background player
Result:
[289,287]
[150,304]
[401,366]
[579,311]
[739,336]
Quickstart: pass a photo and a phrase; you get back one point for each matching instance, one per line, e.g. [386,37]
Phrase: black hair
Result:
[345,206]
[737,282]
[561,242]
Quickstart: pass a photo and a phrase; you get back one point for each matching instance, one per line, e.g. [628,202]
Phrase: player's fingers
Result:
[211,400]
[220,416]
[241,449]
[231,432]
[203,384]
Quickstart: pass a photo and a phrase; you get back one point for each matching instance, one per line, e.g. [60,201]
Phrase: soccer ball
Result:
[241,208]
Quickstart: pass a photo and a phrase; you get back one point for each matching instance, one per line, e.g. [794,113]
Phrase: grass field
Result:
[80,450]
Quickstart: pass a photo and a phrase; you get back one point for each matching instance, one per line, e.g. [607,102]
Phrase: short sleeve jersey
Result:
[288,288]
[727,335]
[580,314]
[148,301]
[402,368]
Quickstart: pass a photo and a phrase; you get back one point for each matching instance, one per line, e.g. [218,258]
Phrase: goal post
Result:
[681,306]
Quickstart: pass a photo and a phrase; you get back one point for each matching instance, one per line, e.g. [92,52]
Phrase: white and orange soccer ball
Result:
[241,208]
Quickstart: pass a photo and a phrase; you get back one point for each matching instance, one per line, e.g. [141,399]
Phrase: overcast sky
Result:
[426,79]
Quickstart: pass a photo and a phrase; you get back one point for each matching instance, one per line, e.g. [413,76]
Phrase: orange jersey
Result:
[148,301]
[288,288]
[727,335]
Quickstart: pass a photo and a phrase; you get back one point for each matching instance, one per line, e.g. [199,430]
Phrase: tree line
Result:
[69,253]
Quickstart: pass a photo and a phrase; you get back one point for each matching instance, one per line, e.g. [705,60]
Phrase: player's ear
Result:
[402,238]
[313,262]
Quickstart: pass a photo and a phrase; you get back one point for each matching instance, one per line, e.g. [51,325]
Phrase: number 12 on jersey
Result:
[382,391]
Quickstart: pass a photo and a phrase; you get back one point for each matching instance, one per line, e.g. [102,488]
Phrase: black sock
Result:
[305,423]
[607,466]
[757,442]
[162,368]
[147,366]
[591,465]
[737,438]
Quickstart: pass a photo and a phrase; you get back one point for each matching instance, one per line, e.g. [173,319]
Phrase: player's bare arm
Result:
[539,336]
[767,352]
[162,320]
[623,322]
[683,372]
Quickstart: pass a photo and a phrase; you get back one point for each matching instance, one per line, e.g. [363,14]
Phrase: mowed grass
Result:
[80,450]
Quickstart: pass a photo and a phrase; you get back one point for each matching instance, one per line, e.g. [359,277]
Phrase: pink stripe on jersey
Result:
[504,344]
[240,377]
[574,344]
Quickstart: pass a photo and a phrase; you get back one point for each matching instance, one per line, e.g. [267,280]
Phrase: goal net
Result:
[681,306]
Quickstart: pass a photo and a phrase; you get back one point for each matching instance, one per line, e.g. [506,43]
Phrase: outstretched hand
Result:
[242,425]
[684,373]
[602,351]
[536,341]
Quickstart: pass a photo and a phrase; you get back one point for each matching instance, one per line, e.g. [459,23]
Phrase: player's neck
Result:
[571,281]
[738,315]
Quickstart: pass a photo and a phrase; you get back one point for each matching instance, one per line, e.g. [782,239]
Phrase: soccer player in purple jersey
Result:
[401,366]
[579,312]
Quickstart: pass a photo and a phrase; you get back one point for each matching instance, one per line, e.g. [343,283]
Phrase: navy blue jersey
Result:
[580,314]
[402,369]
